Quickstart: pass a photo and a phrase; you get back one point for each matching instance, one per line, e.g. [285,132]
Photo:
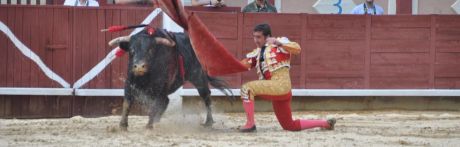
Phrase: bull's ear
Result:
[165,42]
[124,45]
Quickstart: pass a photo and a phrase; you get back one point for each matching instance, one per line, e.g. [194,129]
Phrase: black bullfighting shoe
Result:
[248,130]
[331,123]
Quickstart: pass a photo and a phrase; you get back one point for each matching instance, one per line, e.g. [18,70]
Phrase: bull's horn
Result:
[116,41]
[164,41]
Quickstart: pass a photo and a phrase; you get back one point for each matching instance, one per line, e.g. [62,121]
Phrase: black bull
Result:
[159,64]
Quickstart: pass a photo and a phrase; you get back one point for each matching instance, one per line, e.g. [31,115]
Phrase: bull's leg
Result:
[156,111]
[205,93]
[124,115]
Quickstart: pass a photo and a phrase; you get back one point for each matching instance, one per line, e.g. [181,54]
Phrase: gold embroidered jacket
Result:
[275,57]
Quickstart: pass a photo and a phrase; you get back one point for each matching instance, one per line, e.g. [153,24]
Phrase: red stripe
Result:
[181,66]
[120,52]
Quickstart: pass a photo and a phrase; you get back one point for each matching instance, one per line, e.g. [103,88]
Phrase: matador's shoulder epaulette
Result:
[253,53]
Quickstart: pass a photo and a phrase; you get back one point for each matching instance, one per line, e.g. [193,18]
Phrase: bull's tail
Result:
[222,86]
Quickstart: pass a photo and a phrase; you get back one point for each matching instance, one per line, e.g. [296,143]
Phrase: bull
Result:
[159,63]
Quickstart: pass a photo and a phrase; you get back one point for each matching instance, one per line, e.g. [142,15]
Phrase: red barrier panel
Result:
[355,51]
[69,42]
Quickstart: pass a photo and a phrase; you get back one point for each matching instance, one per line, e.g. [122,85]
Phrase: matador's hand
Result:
[274,41]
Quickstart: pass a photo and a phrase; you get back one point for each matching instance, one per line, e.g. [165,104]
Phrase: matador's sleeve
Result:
[289,46]
[251,59]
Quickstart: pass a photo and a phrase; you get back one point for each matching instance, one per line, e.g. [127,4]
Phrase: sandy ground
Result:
[369,128]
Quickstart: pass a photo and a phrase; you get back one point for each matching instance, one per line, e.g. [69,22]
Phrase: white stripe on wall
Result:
[42,2]
[391,7]
[236,92]
[170,25]
[414,7]
[13,2]
[347,92]
[278,5]
[3,1]
[36,91]
[31,55]
[23,2]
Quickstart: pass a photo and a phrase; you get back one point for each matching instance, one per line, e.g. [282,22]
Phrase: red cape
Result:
[213,56]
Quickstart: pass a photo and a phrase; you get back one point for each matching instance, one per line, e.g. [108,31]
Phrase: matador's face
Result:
[259,38]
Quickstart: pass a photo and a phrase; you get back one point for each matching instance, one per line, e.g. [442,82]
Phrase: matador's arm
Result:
[289,46]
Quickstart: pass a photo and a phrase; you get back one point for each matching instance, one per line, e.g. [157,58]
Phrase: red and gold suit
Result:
[272,63]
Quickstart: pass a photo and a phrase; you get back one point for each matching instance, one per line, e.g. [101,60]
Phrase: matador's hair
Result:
[264,28]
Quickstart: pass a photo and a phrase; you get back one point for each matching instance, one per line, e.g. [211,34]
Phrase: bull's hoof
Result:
[149,127]
[123,128]
[208,123]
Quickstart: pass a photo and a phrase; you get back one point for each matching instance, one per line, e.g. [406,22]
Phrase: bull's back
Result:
[184,46]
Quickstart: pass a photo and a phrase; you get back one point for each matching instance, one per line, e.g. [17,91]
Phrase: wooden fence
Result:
[338,52]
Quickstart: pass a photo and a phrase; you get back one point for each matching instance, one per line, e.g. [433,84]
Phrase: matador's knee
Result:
[246,93]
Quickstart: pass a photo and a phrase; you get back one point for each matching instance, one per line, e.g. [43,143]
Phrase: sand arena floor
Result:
[354,128]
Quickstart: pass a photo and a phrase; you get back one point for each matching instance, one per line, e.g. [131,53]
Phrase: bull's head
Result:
[142,47]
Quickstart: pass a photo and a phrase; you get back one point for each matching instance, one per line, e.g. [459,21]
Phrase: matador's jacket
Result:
[272,64]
